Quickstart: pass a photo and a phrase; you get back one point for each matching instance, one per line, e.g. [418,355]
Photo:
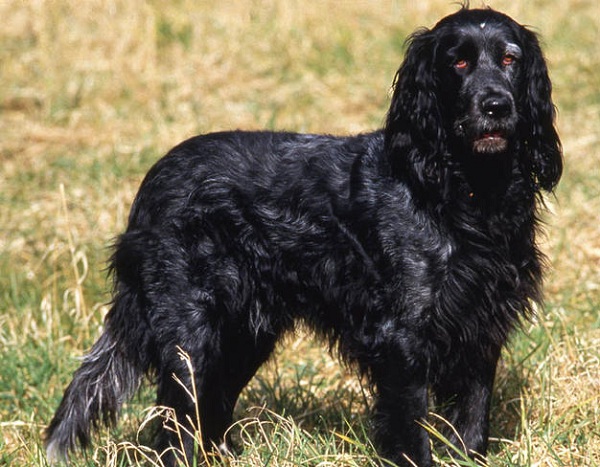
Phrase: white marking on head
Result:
[482,25]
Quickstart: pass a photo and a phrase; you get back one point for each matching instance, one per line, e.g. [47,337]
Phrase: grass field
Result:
[94,92]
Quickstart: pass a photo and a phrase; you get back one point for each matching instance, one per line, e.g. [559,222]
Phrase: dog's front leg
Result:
[400,408]
[463,394]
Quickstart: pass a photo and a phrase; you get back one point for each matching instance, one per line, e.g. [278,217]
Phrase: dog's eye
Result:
[461,64]
[508,59]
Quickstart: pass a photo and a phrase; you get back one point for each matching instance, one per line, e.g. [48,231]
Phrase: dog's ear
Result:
[542,144]
[414,134]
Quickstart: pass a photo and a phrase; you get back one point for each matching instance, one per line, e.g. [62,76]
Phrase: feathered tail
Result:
[112,370]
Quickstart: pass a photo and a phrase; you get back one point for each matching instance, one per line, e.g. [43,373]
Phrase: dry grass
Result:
[93,92]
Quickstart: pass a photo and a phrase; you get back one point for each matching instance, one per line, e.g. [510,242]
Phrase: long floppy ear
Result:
[543,148]
[414,134]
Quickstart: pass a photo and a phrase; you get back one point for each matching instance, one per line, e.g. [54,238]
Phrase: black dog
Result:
[411,249]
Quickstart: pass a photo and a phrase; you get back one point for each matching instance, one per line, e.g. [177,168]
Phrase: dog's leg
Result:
[222,369]
[400,407]
[463,395]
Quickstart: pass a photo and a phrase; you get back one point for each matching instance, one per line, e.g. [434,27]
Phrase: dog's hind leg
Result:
[222,366]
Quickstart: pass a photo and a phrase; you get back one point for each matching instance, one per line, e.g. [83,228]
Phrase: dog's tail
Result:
[112,371]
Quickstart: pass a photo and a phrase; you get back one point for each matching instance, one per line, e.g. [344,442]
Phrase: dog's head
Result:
[475,85]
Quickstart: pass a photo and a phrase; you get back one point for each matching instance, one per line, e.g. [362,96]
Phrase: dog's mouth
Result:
[491,142]
[485,138]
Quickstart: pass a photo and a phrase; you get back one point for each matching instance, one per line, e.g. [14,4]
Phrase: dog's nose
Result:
[496,106]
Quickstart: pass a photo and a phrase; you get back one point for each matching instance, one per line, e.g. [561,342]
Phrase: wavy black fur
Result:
[411,249]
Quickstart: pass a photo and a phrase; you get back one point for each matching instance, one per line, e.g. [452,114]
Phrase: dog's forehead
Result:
[485,33]
[481,17]
[480,25]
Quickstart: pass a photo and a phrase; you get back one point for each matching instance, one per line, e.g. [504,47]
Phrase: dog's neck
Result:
[488,176]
